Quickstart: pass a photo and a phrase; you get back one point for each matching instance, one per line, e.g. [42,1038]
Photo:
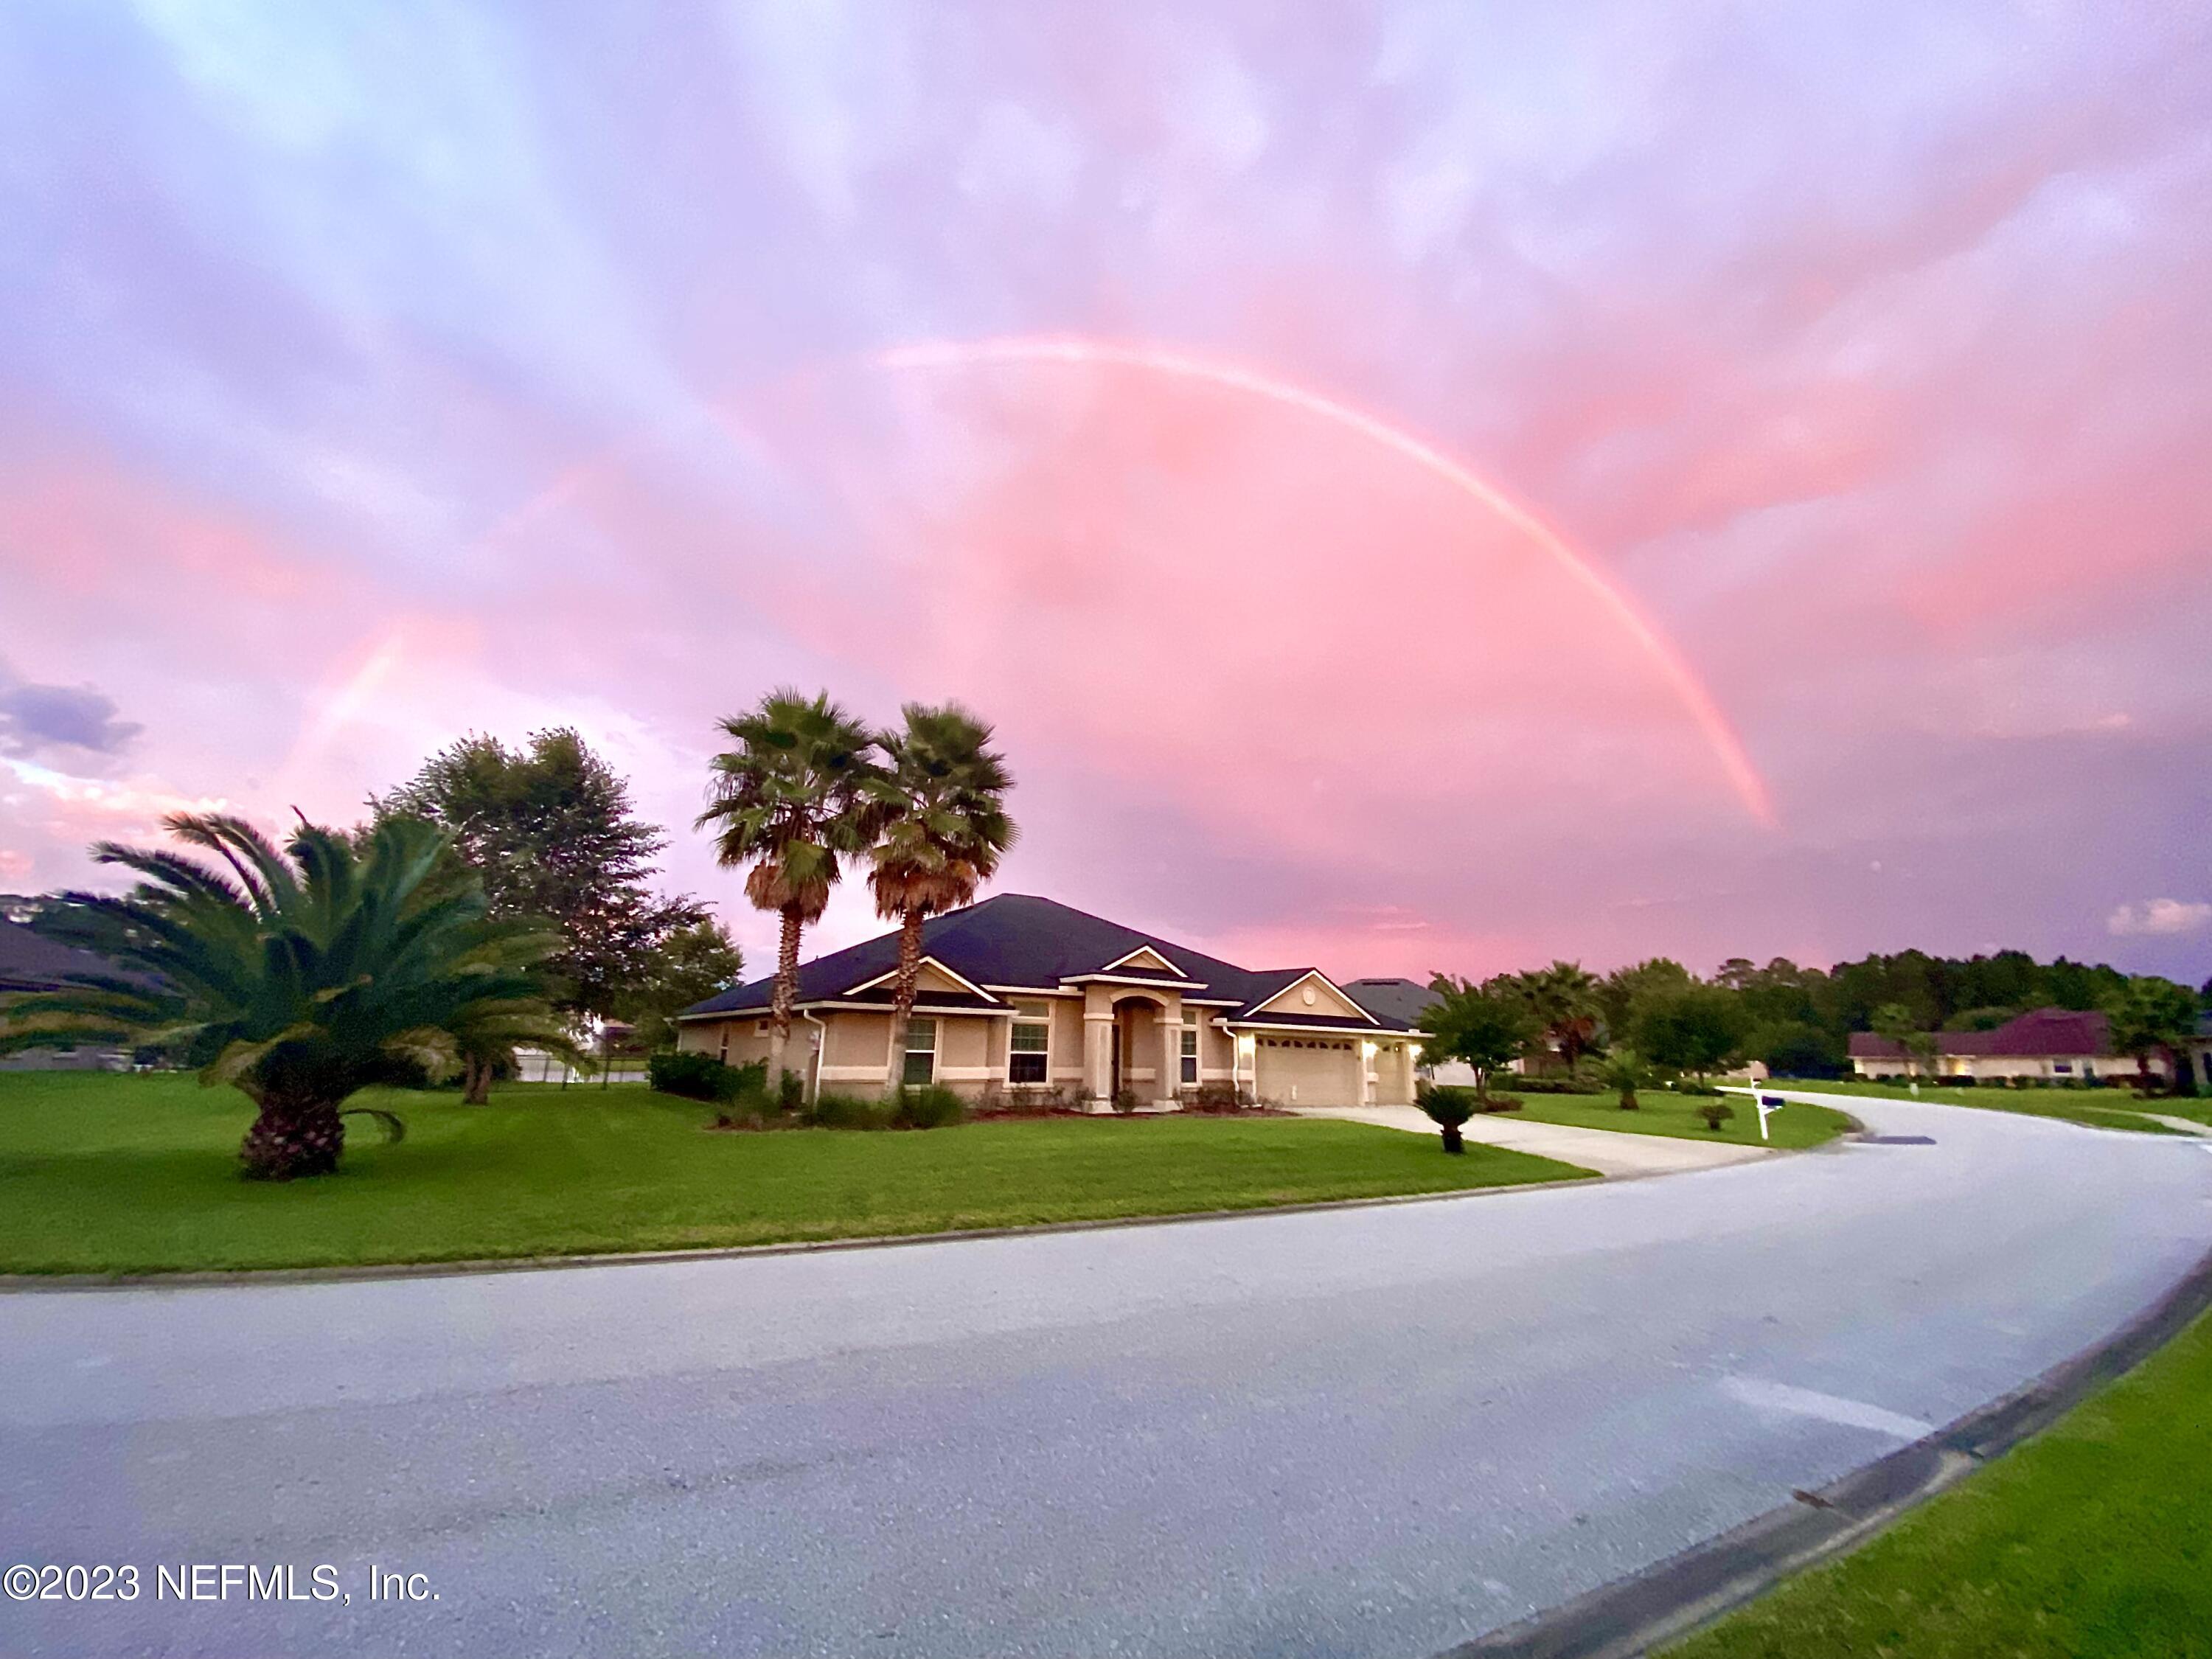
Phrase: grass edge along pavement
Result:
[102,1174]
[1958,1546]
[1663,1113]
[2088,1107]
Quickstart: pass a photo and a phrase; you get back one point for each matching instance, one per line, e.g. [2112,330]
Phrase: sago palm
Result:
[943,827]
[302,975]
[793,799]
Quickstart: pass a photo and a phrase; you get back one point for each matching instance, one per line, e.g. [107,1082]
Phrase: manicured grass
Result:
[1661,1113]
[109,1174]
[2088,1541]
[2100,1109]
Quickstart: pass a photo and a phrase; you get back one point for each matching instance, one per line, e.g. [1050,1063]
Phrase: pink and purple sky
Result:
[1417,486]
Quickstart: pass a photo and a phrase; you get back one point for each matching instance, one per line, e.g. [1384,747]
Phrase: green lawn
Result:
[112,1174]
[1659,1112]
[2089,1541]
[2100,1109]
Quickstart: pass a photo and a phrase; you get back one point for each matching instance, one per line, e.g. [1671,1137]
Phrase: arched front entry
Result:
[1145,1055]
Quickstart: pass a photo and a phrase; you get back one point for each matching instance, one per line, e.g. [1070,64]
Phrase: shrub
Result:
[930,1107]
[1216,1098]
[1690,1086]
[702,1076]
[1125,1101]
[836,1111]
[1501,1103]
[1024,1100]
[1716,1113]
[791,1091]
[1447,1107]
[1558,1085]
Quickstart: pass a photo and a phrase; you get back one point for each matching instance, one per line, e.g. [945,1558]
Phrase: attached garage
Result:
[1297,1071]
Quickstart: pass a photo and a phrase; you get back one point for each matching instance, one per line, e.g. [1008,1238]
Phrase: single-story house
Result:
[2051,1043]
[1020,992]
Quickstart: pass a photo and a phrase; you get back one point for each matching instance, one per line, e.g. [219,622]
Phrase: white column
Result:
[1169,1080]
[1098,1057]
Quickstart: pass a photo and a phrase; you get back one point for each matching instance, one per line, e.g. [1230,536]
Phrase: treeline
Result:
[1796,1021]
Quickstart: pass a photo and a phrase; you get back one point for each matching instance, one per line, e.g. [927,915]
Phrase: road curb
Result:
[1675,1597]
[33,1283]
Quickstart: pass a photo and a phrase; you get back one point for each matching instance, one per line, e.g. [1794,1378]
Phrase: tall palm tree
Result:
[301,977]
[943,827]
[792,799]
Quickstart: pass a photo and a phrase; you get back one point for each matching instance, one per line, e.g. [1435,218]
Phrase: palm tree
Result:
[305,974]
[944,826]
[1623,1070]
[1564,998]
[792,799]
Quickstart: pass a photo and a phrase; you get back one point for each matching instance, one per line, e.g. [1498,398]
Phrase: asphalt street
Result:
[1373,1432]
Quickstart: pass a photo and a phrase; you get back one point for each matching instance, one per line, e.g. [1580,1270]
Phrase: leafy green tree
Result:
[1696,1029]
[942,827]
[689,965]
[1487,1026]
[1797,1049]
[1624,988]
[548,830]
[793,799]
[300,977]
[1896,1022]
[2152,1016]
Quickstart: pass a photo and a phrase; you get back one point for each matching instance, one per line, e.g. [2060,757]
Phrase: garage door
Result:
[1308,1070]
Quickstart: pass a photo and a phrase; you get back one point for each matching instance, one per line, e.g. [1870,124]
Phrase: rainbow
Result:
[1727,747]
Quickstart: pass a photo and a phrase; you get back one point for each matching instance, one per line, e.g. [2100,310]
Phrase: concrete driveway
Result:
[1607,1153]
[1372,1431]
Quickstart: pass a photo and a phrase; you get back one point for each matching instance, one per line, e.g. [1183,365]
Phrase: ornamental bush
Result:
[932,1106]
[702,1076]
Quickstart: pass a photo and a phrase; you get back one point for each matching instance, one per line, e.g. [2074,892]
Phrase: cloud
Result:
[2158,916]
[38,720]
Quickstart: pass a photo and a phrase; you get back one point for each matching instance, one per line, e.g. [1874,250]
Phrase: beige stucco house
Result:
[1020,991]
[2054,1045]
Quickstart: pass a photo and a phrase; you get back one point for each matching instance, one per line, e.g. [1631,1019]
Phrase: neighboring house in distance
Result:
[2200,1054]
[1022,992]
[2051,1043]
[32,961]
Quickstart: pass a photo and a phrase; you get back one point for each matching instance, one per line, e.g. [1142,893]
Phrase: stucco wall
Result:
[1979,1066]
[1291,999]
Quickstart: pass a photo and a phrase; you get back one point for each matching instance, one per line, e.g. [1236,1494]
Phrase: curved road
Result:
[1370,1431]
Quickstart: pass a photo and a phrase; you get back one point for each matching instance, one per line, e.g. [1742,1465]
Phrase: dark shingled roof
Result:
[31,962]
[1401,1001]
[2044,1034]
[1015,939]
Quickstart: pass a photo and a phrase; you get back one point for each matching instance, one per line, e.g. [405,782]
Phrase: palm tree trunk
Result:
[902,989]
[294,1135]
[475,1072]
[785,996]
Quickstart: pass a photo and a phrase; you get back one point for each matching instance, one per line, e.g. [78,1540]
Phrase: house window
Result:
[1189,1070]
[2061,1067]
[1028,1047]
[920,1052]
[724,1055]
